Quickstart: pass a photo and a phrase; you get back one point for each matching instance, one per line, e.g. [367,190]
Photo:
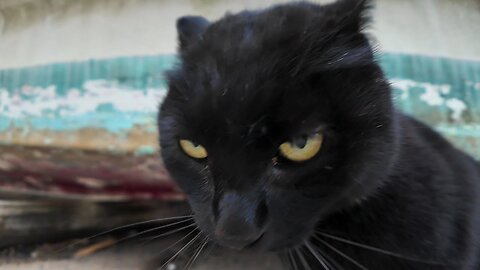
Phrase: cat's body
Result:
[428,210]
[303,77]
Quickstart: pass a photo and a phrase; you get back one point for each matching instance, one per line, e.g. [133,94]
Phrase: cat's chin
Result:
[263,245]
[255,245]
[271,243]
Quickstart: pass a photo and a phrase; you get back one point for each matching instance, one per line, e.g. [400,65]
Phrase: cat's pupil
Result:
[300,142]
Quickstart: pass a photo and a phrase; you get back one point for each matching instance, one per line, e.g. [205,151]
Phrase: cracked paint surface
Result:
[85,104]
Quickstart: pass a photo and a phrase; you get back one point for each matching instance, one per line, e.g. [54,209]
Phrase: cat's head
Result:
[275,119]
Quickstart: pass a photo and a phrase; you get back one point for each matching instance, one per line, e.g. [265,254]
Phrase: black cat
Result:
[280,128]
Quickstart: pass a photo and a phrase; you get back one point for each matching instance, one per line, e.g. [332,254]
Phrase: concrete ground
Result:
[129,241]
[135,256]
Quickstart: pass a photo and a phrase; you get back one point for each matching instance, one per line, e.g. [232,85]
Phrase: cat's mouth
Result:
[264,243]
[255,243]
[241,244]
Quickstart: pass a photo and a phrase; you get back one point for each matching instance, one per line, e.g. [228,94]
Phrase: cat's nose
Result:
[239,224]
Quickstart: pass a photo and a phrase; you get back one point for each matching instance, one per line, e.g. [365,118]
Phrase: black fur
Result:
[253,80]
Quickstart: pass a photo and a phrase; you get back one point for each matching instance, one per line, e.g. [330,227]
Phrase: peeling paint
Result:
[457,106]
[433,94]
[111,104]
[90,182]
[444,96]
[78,105]
[5,165]
[146,150]
[404,86]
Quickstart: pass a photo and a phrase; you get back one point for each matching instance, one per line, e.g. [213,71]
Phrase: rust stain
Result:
[95,139]
[94,175]
[87,251]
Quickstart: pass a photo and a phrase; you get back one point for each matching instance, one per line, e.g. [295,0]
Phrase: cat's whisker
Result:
[204,169]
[169,233]
[325,259]
[303,261]
[382,251]
[343,255]
[181,250]
[317,255]
[131,225]
[209,249]
[178,241]
[138,223]
[293,262]
[336,265]
[156,229]
[189,262]
[197,253]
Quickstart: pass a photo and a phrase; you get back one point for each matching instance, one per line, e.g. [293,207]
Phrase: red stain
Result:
[135,178]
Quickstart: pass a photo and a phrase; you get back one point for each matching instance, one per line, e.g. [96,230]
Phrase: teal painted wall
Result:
[120,94]
[70,96]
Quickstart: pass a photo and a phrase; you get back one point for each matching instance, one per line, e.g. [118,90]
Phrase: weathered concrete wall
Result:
[57,92]
[80,83]
[46,31]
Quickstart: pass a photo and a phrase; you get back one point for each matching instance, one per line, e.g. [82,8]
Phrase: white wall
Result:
[36,32]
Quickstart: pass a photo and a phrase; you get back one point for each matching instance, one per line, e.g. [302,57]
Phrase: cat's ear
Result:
[353,15]
[190,29]
[341,28]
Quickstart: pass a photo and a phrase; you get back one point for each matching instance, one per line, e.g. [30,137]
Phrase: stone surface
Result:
[138,257]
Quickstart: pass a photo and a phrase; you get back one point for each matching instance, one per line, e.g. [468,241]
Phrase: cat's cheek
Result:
[187,174]
[292,219]
[203,217]
[282,236]
[199,202]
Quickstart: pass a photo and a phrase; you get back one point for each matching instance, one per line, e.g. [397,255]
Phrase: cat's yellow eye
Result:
[193,150]
[302,150]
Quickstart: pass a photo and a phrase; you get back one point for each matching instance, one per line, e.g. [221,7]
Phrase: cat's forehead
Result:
[286,42]
[252,109]
[248,58]
[251,42]
[255,65]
